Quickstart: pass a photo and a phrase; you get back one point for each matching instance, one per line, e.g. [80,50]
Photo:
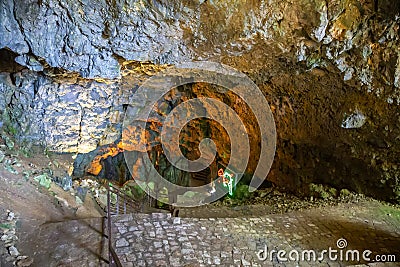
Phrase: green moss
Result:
[9,142]
[134,191]
[47,152]
[390,211]
[25,150]
[396,191]
[242,192]
[322,191]
[43,180]
[7,125]
[161,204]
[344,193]
[11,130]
[5,226]
[333,192]
[324,195]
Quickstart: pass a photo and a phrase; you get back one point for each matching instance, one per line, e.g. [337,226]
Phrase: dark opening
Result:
[7,61]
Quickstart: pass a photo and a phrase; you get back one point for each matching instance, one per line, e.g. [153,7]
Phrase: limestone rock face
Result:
[93,38]
[90,37]
[67,117]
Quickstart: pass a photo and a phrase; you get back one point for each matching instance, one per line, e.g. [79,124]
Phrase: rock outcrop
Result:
[329,69]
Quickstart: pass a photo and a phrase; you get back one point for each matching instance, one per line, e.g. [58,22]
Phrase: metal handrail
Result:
[113,259]
[127,204]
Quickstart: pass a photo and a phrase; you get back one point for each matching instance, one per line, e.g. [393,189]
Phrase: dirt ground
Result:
[50,223]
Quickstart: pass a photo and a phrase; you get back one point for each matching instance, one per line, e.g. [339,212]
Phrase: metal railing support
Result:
[113,259]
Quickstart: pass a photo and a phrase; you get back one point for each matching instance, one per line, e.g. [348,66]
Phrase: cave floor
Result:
[54,230]
[159,240]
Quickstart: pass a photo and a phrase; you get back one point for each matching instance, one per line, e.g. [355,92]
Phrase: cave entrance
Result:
[108,162]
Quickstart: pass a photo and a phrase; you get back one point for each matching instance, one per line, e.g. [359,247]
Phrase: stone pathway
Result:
[159,240]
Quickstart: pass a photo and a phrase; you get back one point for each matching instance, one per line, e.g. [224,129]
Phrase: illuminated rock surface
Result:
[315,61]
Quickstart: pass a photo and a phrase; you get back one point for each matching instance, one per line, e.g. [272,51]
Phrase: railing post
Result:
[117,195]
[113,259]
[110,258]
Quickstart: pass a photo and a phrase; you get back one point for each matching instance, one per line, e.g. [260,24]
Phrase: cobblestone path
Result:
[159,240]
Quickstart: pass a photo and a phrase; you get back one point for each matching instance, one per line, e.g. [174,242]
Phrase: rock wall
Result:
[329,69]
[65,112]
[67,117]
[93,37]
